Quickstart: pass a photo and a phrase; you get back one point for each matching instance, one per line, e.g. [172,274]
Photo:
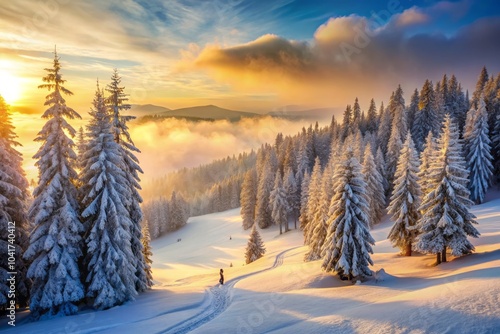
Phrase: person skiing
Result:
[221,280]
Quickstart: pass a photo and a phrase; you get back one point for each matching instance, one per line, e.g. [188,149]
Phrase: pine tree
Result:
[427,118]
[479,157]
[347,122]
[318,228]
[110,261]
[371,118]
[405,200]
[374,187]
[313,200]
[478,92]
[265,185]
[292,194]
[278,203]
[446,221]
[255,247]
[249,198]
[398,133]
[55,242]
[381,167]
[146,244]
[177,211]
[384,129]
[356,116]
[304,198]
[348,244]
[496,145]
[13,197]
[426,158]
[412,110]
[117,104]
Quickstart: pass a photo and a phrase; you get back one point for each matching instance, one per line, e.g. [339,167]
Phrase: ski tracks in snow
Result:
[219,297]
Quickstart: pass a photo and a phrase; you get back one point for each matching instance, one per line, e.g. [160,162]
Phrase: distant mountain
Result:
[140,110]
[208,112]
[150,112]
[311,114]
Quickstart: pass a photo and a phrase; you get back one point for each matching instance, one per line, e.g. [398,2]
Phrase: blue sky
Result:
[250,55]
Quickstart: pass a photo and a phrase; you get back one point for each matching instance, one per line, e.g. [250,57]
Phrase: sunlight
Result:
[10,85]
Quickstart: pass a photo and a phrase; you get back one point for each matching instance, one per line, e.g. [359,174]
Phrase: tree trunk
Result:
[408,249]
[281,228]
[438,258]
[295,221]
[443,255]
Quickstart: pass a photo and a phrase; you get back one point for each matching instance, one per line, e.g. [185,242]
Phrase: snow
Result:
[280,293]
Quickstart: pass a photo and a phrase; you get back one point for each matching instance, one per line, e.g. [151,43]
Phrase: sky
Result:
[240,54]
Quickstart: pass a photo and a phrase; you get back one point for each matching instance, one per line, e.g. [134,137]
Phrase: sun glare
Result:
[10,85]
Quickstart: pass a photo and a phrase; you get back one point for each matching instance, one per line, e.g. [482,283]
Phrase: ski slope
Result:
[281,294]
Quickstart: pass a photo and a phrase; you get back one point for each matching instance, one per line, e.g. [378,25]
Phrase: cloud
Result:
[173,144]
[356,55]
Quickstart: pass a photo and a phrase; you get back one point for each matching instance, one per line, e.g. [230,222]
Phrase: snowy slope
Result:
[281,294]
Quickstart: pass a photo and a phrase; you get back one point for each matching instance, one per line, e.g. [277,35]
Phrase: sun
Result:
[10,85]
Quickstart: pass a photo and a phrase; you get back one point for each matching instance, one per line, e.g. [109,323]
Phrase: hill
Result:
[282,294]
[209,112]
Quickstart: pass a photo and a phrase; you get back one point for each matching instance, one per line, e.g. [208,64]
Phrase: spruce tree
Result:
[265,186]
[255,246]
[319,228]
[304,198]
[110,261]
[446,221]
[348,244]
[55,243]
[384,129]
[13,198]
[313,200]
[427,118]
[371,118]
[426,158]
[480,84]
[374,187]
[148,253]
[479,157]
[405,200]
[292,194]
[117,104]
[278,203]
[248,198]
[412,110]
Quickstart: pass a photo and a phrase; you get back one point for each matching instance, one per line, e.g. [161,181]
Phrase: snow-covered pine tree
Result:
[265,185]
[278,203]
[398,133]
[427,118]
[148,253]
[117,103]
[381,167]
[412,110]
[384,129]
[255,246]
[446,221]
[55,243]
[304,198]
[109,261]
[480,84]
[374,187]
[13,197]
[356,115]
[371,118]
[348,244]
[318,230]
[248,198]
[426,157]
[346,128]
[479,157]
[313,200]
[495,142]
[292,194]
[405,200]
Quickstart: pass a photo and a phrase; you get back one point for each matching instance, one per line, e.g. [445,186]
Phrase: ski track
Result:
[220,298]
